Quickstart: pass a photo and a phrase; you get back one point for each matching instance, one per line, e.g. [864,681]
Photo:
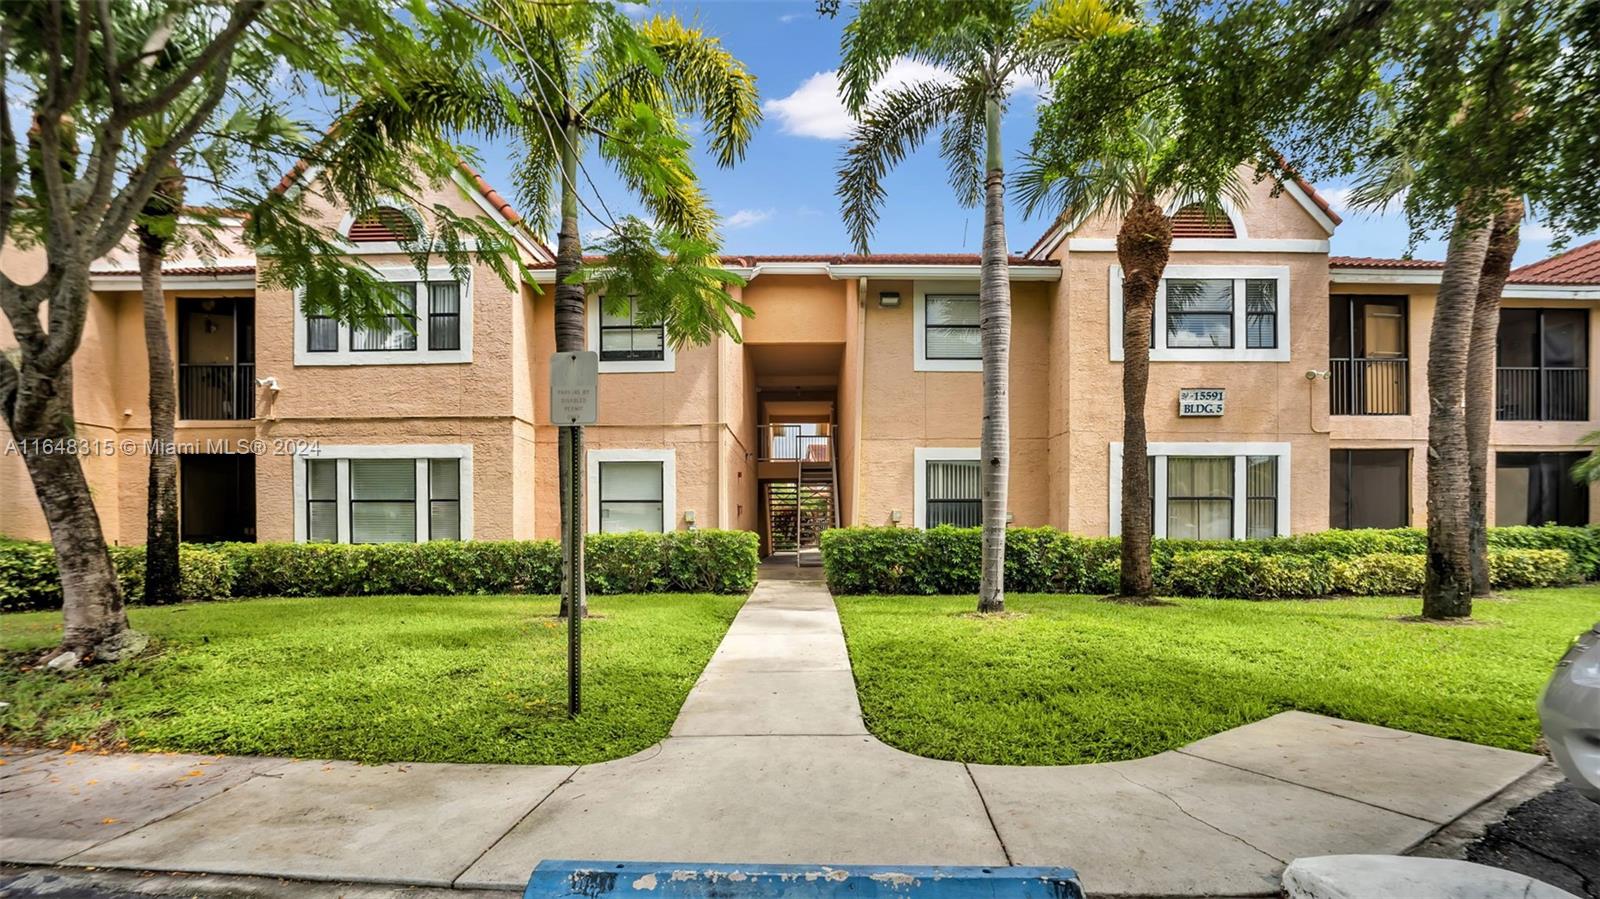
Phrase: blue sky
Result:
[781,200]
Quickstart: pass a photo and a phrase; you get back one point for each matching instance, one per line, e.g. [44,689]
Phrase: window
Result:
[951,327]
[1367,355]
[444,499]
[1261,496]
[1199,313]
[391,332]
[322,501]
[383,501]
[384,494]
[631,495]
[432,325]
[955,494]
[1200,498]
[625,337]
[1543,365]
[1211,491]
[444,315]
[1370,488]
[1261,314]
[1210,313]
[1537,488]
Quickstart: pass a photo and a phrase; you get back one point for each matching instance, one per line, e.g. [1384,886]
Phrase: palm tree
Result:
[1127,172]
[1481,350]
[986,48]
[580,78]
[154,230]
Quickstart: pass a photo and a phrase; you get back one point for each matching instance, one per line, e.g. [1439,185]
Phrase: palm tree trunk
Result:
[994,317]
[569,325]
[1481,397]
[1143,244]
[1447,587]
[161,513]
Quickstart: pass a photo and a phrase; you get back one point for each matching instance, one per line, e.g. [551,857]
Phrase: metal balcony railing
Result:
[1541,394]
[810,442]
[217,392]
[1369,386]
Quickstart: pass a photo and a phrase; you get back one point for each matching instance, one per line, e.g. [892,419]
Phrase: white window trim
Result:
[1238,353]
[419,356]
[922,455]
[667,362]
[669,482]
[422,452]
[1158,486]
[919,319]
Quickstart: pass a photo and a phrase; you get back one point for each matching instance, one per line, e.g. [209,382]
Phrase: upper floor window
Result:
[625,340]
[626,337]
[430,322]
[1542,370]
[1369,371]
[948,330]
[1206,313]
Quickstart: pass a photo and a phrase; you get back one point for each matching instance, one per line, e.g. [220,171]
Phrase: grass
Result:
[374,679]
[1075,679]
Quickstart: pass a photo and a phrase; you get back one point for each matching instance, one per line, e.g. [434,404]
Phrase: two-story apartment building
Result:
[851,396]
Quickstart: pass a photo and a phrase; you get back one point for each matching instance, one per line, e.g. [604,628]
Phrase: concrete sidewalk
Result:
[769,761]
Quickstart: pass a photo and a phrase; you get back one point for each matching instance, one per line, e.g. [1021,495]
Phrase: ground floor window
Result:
[384,494]
[1537,488]
[948,487]
[1206,491]
[1370,488]
[632,490]
[217,497]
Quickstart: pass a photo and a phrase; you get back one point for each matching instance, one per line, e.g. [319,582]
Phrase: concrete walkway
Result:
[769,761]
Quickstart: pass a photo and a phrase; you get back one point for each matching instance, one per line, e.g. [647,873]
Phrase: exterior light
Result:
[894,516]
[889,299]
[688,516]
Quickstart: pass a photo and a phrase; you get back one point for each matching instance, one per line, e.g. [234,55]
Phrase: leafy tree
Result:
[986,46]
[1126,169]
[579,78]
[117,92]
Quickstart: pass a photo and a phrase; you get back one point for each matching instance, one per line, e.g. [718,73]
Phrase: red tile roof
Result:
[1310,190]
[180,270]
[1580,265]
[1382,262]
[491,195]
[857,259]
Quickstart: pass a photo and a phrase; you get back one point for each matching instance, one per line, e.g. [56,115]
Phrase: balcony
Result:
[216,392]
[1369,386]
[1541,394]
[807,442]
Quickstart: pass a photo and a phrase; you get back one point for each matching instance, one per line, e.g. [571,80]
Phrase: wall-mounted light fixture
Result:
[688,518]
[889,299]
[894,516]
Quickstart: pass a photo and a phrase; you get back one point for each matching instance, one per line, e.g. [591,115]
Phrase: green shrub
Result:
[1246,575]
[1512,568]
[945,560]
[691,562]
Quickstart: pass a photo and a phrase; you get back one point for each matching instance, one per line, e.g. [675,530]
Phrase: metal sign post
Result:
[574,402]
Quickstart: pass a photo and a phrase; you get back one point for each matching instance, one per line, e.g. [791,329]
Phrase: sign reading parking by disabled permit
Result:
[574,388]
[1202,402]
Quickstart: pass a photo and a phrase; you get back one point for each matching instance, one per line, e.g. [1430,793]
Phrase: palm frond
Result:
[895,125]
[962,145]
[678,280]
[707,80]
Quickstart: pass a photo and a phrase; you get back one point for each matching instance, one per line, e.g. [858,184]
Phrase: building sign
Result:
[574,388]
[1201,401]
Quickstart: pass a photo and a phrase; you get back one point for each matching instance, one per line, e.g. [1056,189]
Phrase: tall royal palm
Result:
[581,79]
[1130,170]
[984,48]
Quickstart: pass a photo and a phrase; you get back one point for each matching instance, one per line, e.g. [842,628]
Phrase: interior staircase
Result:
[801,507]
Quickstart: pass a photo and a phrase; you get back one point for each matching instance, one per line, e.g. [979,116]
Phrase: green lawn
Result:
[383,678]
[1075,679]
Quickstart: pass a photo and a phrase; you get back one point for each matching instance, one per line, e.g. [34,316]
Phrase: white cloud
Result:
[814,109]
[1339,197]
[634,10]
[786,18]
[745,218]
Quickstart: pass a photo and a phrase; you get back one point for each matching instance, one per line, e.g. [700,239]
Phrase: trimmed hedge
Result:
[680,562]
[945,560]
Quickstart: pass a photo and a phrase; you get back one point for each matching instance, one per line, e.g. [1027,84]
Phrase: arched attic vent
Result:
[1192,221]
[382,224]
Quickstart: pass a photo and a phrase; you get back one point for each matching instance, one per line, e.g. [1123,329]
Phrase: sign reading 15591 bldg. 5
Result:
[1201,401]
